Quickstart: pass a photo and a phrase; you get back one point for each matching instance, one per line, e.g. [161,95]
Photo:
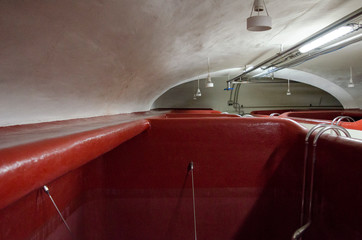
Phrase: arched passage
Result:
[336,91]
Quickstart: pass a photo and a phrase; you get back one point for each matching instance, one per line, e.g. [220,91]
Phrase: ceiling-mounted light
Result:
[292,56]
[194,97]
[288,91]
[259,22]
[248,68]
[198,92]
[339,32]
[209,83]
[350,84]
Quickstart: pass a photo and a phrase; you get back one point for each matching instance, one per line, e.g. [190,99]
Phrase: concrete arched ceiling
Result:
[70,59]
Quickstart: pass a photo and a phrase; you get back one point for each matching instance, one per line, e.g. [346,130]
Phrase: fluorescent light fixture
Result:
[357,37]
[326,38]
[248,67]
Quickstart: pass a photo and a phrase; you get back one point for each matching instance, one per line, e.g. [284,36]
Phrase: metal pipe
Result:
[327,128]
[321,125]
[316,35]
[335,119]
[349,119]
[191,169]
[299,232]
[310,56]
[304,182]
[46,190]
[234,114]
[303,228]
[314,162]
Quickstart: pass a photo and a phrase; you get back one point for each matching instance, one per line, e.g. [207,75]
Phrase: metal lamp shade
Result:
[259,23]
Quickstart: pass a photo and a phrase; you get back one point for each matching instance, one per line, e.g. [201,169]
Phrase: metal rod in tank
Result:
[191,169]
[46,190]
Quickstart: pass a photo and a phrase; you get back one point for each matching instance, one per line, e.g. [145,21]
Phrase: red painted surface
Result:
[317,116]
[39,157]
[34,216]
[248,175]
[352,125]
[349,125]
[195,111]
[308,120]
[325,114]
[195,115]
[337,210]
[240,165]
[266,113]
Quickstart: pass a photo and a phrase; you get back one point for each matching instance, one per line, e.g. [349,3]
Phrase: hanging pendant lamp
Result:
[350,84]
[288,91]
[198,92]
[193,91]
[259,22]
[209,83]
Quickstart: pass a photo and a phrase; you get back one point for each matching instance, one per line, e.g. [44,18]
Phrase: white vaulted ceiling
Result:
[71,59]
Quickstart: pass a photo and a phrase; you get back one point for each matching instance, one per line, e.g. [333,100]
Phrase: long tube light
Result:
[350,18]
[339,32]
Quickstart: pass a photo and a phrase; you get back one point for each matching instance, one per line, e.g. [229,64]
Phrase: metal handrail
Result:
[321,125]
[310,132]
[342,129]
[338,119]
[325,127]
